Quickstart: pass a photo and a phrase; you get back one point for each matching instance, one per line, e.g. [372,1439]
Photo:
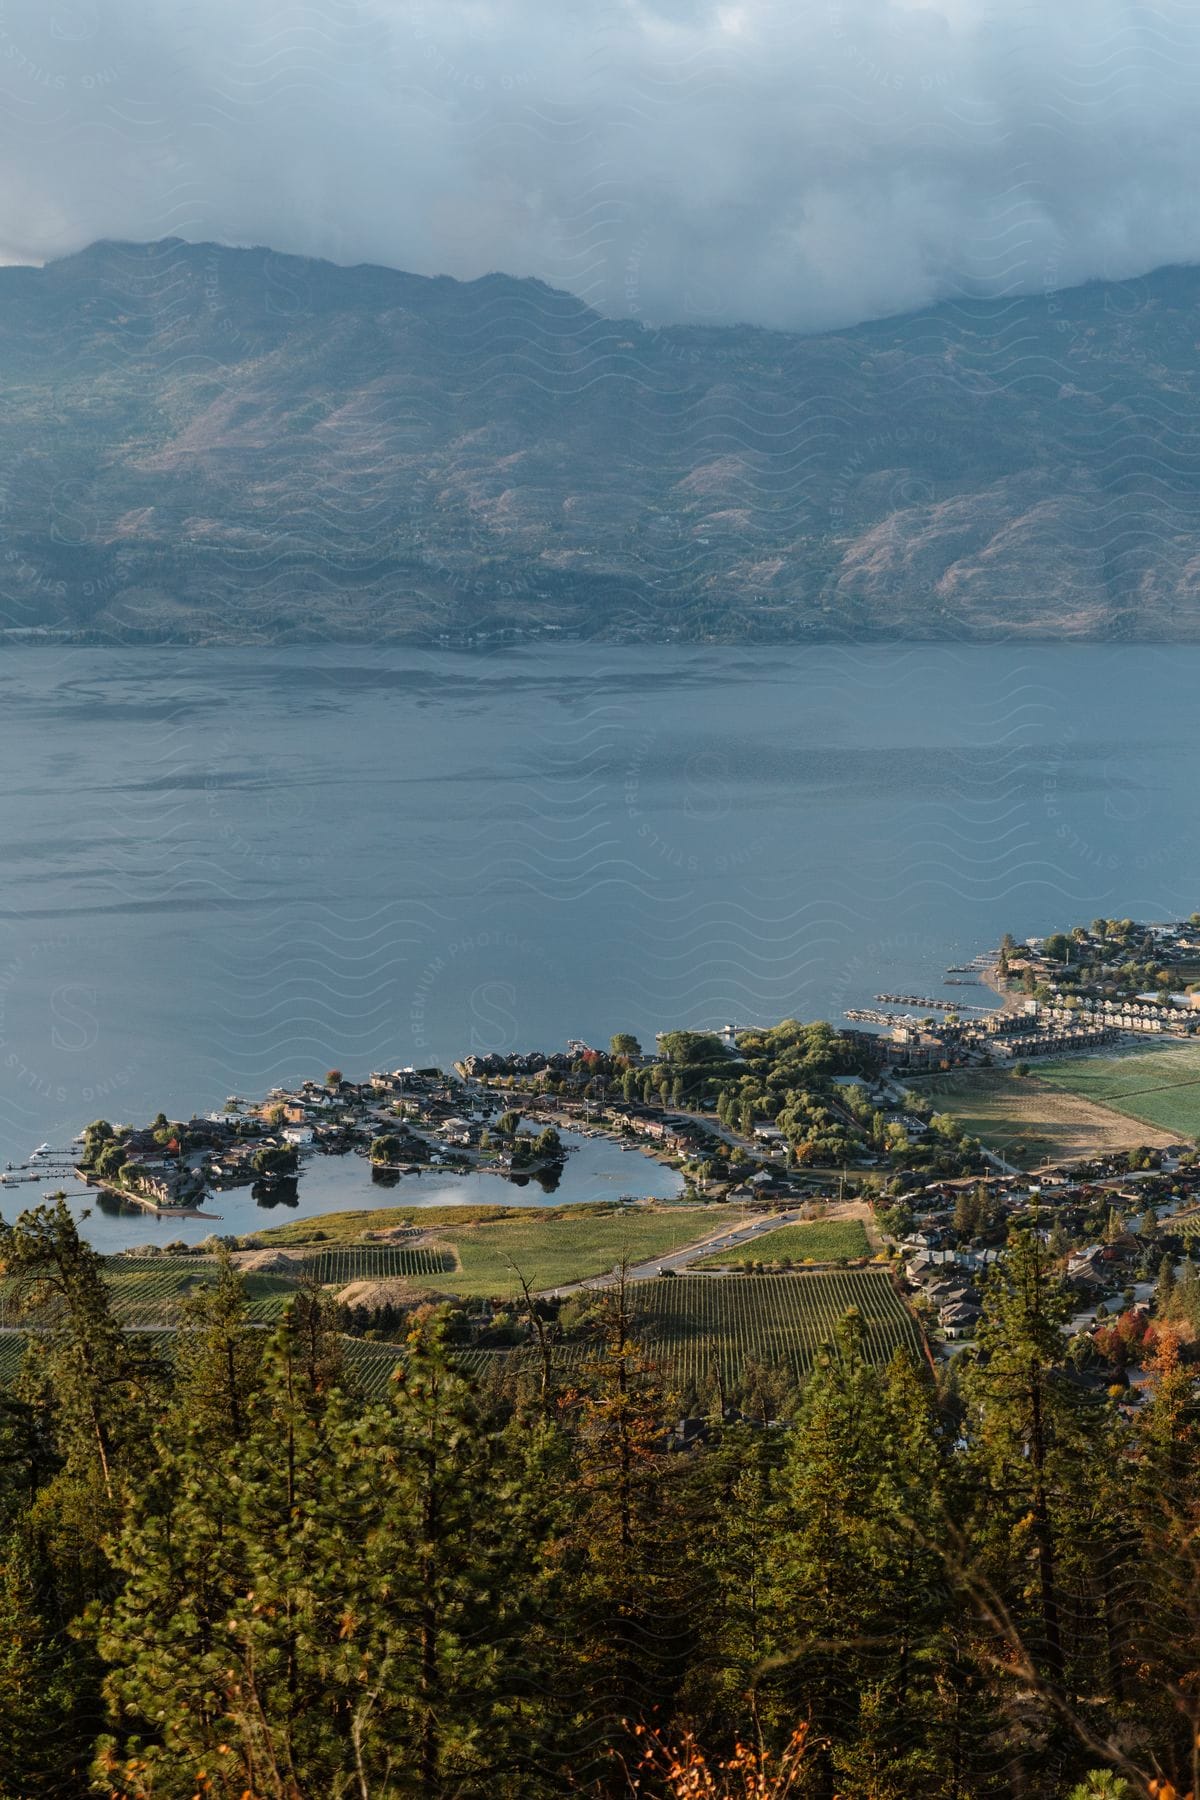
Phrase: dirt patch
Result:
[267,1262]
[1029,1122]
[386,1291]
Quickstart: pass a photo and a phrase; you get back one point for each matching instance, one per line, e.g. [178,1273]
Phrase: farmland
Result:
[550,1246]
[1157,1086]
[783,1319]
[688,1323]
[1032,1119]
[344,1263]
[824,1240]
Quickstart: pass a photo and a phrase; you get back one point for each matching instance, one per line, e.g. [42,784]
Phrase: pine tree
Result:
[1045,1539]
[1164,1288]
[45,1722]
[856,1632]
[1165,1629]
[220,1373]
[625,1551]
[94,1392]
[335,1602]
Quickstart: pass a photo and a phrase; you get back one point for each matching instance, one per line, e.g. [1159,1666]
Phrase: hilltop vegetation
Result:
[205,444]
[227,1570]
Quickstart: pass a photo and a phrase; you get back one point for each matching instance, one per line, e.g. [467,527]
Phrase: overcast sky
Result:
[798,163]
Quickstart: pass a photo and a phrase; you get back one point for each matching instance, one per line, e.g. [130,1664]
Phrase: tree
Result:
[626,1548]
[1164,1288]
[386,1149]
[100,1386]
[687,1047]
[548,1144]
[45,1700]
[1102,1784]
[508,1123]
[221,1375]
[272,1161]
[1029,1441]
[623,1043]
[333,1078]
[854,1636]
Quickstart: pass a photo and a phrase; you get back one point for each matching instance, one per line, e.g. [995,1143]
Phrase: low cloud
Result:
[797,166]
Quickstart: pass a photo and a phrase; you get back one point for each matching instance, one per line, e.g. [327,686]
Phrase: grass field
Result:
[1158,1085]
[1031,1119]
[824,1240]
[551,1246]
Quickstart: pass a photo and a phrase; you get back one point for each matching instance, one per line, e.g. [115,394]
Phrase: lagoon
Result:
[595,1169]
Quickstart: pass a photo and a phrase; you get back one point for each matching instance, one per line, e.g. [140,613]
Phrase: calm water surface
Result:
[594,1170]
[225,869]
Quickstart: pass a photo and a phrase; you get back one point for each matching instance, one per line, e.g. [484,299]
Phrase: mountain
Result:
[207,444]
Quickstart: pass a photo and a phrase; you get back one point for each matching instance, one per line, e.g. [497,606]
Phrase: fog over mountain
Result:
[803,167]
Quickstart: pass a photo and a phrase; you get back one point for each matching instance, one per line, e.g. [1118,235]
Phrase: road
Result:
[677,1260]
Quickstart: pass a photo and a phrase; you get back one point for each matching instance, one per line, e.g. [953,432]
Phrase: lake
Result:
[595,1169]
[228,868]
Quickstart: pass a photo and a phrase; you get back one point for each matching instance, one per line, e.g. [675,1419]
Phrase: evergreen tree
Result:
[859,1598]
[1164,1288]
[1039,1453]
[221,1371]
[45,1720]
[625,1551]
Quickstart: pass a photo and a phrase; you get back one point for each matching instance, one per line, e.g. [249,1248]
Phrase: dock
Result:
[928,1004]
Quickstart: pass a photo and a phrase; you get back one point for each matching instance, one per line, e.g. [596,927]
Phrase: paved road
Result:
[677,1260]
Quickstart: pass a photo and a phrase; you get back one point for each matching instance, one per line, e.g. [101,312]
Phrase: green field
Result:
[551,1246]
[824,1240]
[1159,1086]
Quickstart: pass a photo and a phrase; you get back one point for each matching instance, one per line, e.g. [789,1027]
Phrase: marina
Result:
[927,1004]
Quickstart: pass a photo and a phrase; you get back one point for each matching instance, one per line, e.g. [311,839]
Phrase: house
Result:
[959,1319]
[1088,1267]
[297,1135]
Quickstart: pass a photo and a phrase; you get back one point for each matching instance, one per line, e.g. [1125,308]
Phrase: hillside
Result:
[205,444]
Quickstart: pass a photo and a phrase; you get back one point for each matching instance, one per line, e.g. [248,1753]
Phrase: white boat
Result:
[42,1150]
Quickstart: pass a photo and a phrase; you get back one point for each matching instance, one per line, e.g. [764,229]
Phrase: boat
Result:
[42,1150]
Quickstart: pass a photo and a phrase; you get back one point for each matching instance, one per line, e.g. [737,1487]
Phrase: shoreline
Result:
[144,1204]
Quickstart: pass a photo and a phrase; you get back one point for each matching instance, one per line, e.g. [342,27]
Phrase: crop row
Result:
[783,1319]
[342,1264]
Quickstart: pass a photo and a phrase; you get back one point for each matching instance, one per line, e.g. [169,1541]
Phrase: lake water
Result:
[595,1169]
[223,869]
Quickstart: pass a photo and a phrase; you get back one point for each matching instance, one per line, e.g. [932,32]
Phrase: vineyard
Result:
[687,1324]
[342,1264]
[149,1290]
[781,1319]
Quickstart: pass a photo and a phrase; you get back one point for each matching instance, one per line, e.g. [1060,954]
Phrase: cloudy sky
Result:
[799,163]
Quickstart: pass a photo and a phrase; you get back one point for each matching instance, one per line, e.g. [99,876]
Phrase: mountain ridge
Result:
[207,444]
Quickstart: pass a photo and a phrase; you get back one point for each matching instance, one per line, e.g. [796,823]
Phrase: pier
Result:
[927,1004]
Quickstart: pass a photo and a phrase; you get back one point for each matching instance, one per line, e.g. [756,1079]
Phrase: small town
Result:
[828,1149]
